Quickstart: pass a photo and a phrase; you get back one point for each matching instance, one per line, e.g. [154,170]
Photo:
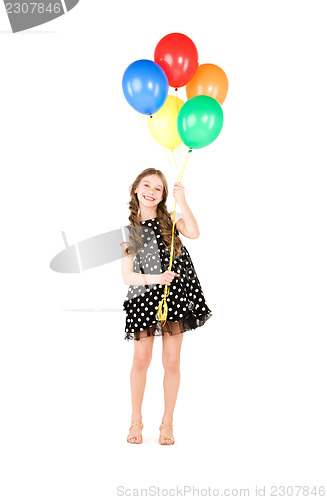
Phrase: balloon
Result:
[145,86]
[210,80]
[200,121]
[163,124]
[178,57]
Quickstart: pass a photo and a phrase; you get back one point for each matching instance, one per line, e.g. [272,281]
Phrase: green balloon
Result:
[200,121]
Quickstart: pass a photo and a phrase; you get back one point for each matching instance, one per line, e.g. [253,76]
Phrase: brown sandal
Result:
[166,437]
[139,436]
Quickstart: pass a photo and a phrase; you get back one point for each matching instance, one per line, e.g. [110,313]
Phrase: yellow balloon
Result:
[163,124]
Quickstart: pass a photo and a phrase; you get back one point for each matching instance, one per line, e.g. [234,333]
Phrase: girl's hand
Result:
[167,277]
[178,193]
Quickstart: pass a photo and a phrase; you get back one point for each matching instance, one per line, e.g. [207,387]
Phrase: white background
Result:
[251,405]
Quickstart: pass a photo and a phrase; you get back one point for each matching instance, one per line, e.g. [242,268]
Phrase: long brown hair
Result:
[165,221]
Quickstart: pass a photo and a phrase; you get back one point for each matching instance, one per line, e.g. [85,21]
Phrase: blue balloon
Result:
[145,86]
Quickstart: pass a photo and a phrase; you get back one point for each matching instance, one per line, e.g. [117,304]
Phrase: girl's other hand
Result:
[167,277]
[178,193]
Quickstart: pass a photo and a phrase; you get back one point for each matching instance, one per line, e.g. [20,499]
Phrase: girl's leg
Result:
[141,362]
[171,362]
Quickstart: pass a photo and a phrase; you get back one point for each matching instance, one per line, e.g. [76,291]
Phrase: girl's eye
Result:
[158,189]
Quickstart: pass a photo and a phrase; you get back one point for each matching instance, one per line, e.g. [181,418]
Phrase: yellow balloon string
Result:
[165,150]
[163,304]
[175,159]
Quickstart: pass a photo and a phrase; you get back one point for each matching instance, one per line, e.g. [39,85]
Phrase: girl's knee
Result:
[141,361]
[171,363]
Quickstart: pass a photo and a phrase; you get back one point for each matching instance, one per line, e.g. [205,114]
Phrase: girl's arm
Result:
[188,225]
[137,279]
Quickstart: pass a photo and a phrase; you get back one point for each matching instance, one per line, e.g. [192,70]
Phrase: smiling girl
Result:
[146,255]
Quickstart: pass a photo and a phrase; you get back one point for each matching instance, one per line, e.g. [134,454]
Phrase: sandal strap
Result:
[166,425]
[162,436]
[136,423]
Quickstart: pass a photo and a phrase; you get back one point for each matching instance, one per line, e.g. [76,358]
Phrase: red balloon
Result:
[178,57]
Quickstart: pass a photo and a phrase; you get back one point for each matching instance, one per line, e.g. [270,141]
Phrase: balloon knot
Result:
[176,89]
[190,150]
[150,116]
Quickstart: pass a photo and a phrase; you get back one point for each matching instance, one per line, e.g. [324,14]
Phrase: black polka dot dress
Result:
[187,308]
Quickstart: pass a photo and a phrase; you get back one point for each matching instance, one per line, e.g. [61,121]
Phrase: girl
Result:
[148,240]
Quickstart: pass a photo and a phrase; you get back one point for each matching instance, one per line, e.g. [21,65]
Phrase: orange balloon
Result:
[210,80]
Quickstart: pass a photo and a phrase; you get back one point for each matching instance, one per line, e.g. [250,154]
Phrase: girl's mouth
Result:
[148,198]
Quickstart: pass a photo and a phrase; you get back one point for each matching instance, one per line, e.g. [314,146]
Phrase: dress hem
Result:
[172,327]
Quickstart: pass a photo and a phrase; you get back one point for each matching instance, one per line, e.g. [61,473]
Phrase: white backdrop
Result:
[251,405]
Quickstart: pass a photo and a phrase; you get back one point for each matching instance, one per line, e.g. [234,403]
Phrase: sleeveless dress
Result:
[187,308]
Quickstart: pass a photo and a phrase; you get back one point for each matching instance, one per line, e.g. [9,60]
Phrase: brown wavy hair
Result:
[165,221]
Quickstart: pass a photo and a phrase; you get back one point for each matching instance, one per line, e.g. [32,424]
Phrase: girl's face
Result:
[150,191]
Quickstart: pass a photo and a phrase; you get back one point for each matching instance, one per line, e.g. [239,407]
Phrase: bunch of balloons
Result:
[198,121]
